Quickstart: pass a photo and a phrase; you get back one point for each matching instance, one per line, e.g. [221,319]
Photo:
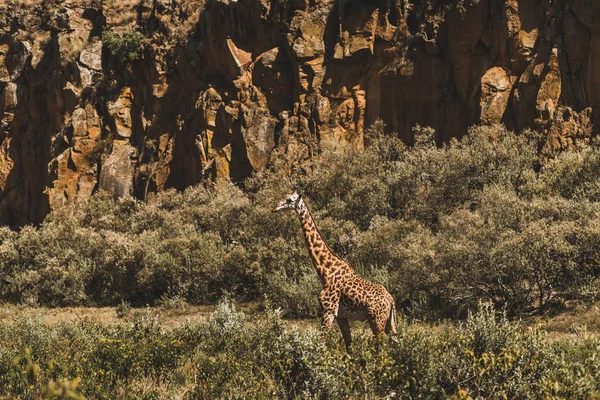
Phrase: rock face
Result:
[178,92]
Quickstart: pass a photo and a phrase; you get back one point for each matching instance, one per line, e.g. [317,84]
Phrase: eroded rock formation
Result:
[215,89]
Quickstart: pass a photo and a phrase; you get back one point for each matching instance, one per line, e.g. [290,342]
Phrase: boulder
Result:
[120,111]
[306,35]
[496,86]
[568,129]
[272,75]
[11,98]
[91,57]
[258,132]
[358,26]
[86,122]
[550,89]
[116,175]
[4,74]
[75,172]
[17,59]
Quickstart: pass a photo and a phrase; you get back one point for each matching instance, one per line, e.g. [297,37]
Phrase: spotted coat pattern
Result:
[345,296]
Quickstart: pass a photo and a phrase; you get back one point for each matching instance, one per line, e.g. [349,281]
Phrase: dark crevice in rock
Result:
[220,89]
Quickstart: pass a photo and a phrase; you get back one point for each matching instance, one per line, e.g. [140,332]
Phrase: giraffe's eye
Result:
[289,200]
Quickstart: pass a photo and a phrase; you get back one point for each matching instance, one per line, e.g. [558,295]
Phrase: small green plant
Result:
[172,302]
[124,49]
[63,389]
[123,309]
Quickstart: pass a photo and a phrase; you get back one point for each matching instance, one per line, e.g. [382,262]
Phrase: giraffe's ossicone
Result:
[345,296]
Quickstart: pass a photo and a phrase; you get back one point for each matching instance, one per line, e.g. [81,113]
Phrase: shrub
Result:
[124,49]
[442,227]
[572,175]
[236,356]
[123,309]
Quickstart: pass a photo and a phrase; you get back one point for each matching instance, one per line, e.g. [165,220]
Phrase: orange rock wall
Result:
[221,88]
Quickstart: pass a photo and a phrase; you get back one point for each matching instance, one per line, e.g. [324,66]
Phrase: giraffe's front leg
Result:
[330,302]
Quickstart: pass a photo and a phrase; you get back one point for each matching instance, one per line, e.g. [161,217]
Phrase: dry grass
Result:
[169,318]
[33,3]
[577,323]
[121,13]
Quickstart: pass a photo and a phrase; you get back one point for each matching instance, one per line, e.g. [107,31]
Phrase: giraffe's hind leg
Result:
[345,328]
[377,331]
[377,323]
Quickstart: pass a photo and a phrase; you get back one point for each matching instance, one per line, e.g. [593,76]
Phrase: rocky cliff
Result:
[136,96]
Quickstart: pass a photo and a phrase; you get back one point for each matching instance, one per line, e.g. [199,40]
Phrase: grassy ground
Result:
[168,318]
[571,322]
[576,319]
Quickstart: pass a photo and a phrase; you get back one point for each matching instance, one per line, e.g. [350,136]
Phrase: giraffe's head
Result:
[291,201]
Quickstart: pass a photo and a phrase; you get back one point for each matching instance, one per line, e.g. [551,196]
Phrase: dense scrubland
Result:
[482,220]
[442,227]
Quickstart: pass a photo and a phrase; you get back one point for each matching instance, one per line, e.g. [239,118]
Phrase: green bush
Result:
[572,175]
[442,227]
[123,309]
[124,49]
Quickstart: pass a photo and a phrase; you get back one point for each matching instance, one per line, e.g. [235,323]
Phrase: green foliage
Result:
[234,356]
[124,49]
[572,175]
[123,309]
[441,227]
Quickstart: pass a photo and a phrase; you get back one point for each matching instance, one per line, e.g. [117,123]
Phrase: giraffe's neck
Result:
[322,256]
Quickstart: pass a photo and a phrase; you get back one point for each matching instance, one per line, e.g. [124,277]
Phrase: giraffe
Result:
[345,296]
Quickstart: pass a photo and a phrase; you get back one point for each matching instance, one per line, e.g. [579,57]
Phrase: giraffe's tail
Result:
[390,326]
